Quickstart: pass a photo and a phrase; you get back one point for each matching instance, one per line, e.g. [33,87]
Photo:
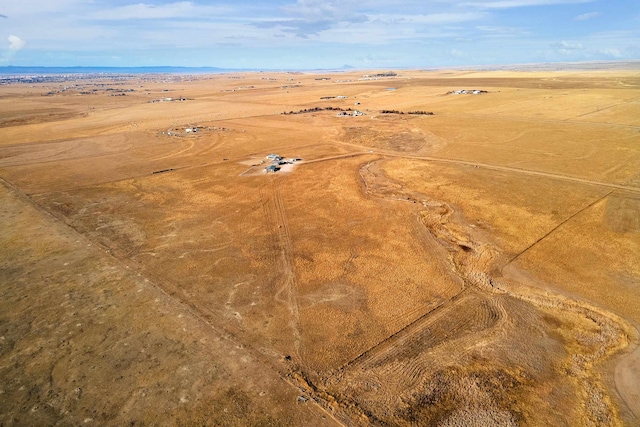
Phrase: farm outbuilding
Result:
[274,158]
[272,168]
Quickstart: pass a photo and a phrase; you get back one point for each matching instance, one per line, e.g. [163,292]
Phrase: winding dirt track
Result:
[524,171]
[627,373]
[488,166]
[183,150]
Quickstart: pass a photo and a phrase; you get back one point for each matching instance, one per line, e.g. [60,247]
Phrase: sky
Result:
[316,34]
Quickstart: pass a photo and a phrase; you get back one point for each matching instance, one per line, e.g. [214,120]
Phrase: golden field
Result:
[476,266]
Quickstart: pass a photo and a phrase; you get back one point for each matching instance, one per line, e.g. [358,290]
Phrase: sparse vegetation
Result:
[417,112]
[408,272]
[316,109]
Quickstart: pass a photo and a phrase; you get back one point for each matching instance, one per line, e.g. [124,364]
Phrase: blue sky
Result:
[307,34]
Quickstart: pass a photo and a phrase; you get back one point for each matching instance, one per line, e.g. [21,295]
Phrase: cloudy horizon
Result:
[307,34]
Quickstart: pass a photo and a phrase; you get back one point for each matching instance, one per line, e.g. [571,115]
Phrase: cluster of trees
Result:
[418,112]
[316,109]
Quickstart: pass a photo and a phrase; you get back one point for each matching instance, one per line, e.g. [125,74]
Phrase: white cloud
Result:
[16,43]
[612,53]
[324,9]
[498,31]
[586,16]
[261,33]
[565,45]
[367,20]
[311,17]
[183,9]
[429,19]
[506,4]
[16,9]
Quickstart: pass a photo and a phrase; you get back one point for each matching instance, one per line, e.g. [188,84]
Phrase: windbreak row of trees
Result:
[316,109]
[418,112]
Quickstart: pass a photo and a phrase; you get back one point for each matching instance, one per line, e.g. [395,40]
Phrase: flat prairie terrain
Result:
[444,259]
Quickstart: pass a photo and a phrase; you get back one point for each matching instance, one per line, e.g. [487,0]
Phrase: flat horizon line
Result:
[20,69]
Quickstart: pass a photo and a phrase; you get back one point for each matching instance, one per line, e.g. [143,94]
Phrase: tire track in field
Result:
[208,146]
[467,312]
[167,156]
[400,364]
[514,258]
[488,166]
[340,156]
[286,293]
[48,159]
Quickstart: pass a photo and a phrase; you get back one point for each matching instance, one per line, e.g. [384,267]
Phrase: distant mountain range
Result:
[37,70]
[132,70]
[112,70]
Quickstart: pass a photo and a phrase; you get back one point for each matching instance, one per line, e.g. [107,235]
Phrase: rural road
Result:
[481,165]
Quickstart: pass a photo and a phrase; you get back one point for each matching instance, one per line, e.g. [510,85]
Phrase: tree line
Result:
[417,112]
[316,109]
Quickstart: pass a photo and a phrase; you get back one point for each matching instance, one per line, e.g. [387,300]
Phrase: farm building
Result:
[272,168]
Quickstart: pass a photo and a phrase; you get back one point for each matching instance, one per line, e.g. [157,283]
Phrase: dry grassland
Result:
[474,267]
